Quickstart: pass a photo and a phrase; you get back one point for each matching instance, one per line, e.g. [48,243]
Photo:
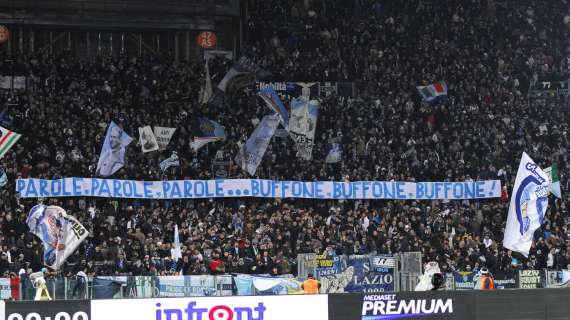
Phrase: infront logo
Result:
[219,312]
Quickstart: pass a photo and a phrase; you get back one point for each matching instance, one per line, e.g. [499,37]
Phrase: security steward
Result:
[486,281]
[311,285]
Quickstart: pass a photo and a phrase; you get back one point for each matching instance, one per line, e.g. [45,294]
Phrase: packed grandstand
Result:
[490,54]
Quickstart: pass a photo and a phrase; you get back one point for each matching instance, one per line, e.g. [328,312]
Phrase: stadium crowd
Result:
[488,52]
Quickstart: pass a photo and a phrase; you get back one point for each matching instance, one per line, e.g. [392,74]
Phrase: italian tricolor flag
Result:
[433,91]
[552,173]
[7,140]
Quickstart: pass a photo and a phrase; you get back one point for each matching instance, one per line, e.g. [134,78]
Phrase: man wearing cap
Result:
[311,285]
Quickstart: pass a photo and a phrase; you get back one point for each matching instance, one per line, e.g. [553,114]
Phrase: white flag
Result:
[529,201]
[112,157]
[176,252]
[60,233]
[147,139]
[252,151]
[163,136]
[302,126]
[335,154]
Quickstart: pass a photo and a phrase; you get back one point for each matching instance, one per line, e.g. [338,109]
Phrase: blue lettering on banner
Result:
[480,189]
[43,188]
[188,189]
[147,190]
[76,186]
[219,188]
[31,190]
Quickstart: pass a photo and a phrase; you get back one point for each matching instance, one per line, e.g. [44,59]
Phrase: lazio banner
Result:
[189,189]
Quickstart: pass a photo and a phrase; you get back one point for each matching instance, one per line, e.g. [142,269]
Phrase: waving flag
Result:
[272,100]
[176,251]
[528,205]
[251,153]
[172,161]
[163,136]
[552,173]
[3,178]
[335,154]
[147,139]
[210,131]
[206,92]
[433,91]
[7,140]
[112,156]
[302,126]
[60,233]
[241,74]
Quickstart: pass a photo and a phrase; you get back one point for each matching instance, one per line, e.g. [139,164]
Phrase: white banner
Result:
[251,153]
[147,139]
[5,82]
[163,136]
[313,307]
[189,189]
[20,82]
[529,201]
[302,126]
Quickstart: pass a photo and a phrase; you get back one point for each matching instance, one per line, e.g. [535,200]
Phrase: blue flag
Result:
[251,153]
[170,162]
[272,100]
[209,131]
[112,156]
[3,178]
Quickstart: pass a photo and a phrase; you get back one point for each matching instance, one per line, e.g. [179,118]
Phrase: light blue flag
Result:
[3,178]
[112,156]
[251,153]
[170,162]
[244,285]
[529,202]
[272,100]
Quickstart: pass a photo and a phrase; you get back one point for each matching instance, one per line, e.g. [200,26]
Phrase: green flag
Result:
[554,180]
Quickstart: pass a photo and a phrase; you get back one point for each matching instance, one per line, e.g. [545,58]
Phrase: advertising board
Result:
[314,307]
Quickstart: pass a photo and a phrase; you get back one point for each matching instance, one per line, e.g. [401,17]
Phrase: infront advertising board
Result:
[48,310]
[314,307]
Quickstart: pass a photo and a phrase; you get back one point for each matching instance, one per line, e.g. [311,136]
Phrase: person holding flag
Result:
[59,232]
[529,201]
[554,177]
[176,251]
[112,156]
